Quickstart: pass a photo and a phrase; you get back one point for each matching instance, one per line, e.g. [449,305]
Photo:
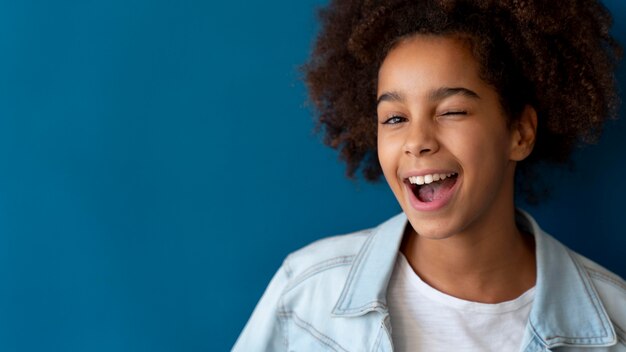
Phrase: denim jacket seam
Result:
[537,335]
[352,275]
[365,307]
[378,338]
[621,334]
[317,268]
[535,342]
[383,331]
[549,341]
[594,297]
[287,266]
[281,322]
[531,341]
[607,278]
[316,334]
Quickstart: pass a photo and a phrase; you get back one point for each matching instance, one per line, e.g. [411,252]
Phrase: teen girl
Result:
[449,100]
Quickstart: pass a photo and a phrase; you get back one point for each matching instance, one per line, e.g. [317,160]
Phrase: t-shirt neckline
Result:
[413,280]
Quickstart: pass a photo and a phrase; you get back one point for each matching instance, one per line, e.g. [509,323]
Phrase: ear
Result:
[524,134]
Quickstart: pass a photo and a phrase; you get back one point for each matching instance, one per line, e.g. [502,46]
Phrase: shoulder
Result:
[611,289]
[309,281]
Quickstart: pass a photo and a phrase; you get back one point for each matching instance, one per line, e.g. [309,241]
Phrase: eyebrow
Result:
[390,96]
[445,92]
[434,95]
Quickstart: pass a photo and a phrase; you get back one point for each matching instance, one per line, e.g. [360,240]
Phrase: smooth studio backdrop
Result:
[157,164]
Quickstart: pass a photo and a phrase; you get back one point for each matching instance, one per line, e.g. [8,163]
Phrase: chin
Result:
[432,229]
[434,235]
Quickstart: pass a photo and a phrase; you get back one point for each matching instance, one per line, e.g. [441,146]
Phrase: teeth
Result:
[427,179]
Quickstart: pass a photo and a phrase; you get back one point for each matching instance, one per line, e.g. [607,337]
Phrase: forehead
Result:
[427,61]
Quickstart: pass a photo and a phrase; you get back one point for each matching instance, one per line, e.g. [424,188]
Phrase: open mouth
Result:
[428,188]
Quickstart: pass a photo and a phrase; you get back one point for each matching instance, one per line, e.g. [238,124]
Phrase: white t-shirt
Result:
[425,319]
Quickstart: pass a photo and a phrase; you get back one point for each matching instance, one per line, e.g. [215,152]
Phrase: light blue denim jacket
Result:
[331,296]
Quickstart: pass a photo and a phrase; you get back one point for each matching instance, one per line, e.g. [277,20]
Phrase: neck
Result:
[492,262]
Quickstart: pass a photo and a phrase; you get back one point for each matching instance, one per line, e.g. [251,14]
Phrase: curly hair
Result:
[558,57]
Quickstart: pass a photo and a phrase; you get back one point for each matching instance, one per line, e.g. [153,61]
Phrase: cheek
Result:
[485,154]
[479,141]
[389,152]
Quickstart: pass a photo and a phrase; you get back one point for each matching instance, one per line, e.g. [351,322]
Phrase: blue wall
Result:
[157,163]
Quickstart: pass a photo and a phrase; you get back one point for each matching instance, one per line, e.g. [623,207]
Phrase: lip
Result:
[436,204]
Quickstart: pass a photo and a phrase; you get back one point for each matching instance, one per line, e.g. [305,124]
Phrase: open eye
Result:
[393,120]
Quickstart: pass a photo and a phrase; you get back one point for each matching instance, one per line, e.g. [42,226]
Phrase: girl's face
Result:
[440,125]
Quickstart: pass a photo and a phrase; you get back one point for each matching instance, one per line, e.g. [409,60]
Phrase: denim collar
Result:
[566,311]
[366,286]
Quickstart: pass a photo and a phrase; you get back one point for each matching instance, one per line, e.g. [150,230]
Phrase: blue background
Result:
[157,163]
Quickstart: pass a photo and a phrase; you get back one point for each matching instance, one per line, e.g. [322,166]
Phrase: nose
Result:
[421,140]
